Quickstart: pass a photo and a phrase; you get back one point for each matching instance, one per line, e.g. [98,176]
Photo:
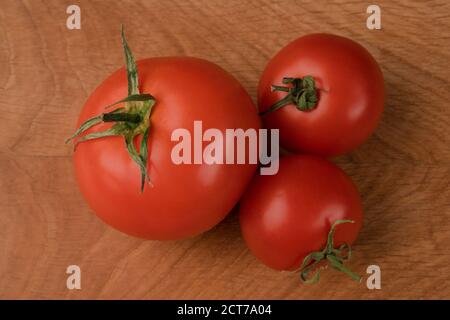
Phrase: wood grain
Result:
[47,72]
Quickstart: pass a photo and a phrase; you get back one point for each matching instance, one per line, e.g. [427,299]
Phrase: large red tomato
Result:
[331,91]
[183,200]
[287,216]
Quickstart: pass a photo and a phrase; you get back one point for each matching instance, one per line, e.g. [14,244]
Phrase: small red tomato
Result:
[324,92]
[287,216]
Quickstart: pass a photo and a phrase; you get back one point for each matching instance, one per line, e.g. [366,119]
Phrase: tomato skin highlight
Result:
[185,200]
[286,216]
[350,95]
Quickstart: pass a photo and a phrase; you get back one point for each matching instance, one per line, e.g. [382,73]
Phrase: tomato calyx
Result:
[301,92]
[334,256]
[130,121]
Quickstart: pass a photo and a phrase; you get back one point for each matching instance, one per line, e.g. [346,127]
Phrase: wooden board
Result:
[48,71]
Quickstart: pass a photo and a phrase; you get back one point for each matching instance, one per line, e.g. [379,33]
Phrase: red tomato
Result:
[340,111]
[287,216]
[185,200]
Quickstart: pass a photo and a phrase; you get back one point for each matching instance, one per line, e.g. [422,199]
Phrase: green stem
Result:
[300,92]
[123,116]
[334,256]
[129,121]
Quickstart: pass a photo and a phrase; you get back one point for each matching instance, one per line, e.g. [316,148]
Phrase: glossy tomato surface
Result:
[185,200]
[286,216]
[350,95]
